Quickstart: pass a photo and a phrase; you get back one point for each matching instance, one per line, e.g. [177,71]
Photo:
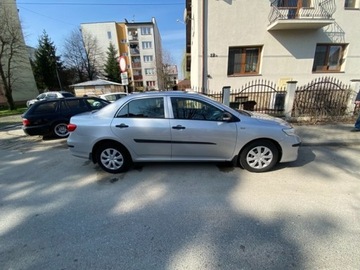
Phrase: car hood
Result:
[267,119]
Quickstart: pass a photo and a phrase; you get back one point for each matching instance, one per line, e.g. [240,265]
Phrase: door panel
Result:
[142,127]
[198,131]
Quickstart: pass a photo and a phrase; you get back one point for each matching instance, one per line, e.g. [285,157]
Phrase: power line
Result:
[99,4]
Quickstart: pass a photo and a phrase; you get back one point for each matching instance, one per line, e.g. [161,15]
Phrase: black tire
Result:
[59,130]
[259,156]
[113,158]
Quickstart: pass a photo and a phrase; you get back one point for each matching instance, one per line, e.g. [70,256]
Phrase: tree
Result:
[112,68]
[80,54]
[12,53]
[47,65]
[166,71]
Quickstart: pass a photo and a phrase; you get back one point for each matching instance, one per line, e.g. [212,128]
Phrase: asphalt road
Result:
[61,212]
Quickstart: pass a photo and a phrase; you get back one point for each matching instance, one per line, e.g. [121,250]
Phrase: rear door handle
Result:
[178,127]
[122,126]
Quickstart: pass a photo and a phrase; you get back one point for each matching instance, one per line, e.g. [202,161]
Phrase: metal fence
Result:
[259,95]
[322,98]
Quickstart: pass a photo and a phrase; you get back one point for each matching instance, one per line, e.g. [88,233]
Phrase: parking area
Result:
[61,212]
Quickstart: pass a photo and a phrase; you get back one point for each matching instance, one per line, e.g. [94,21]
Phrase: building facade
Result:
[22,77]
[232,42]
[139,43]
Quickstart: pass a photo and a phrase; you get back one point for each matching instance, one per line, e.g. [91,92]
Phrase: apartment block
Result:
[23,82]
[232,42]
[139,43]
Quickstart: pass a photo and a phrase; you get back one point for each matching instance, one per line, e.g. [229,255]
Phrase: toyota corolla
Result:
[180,126]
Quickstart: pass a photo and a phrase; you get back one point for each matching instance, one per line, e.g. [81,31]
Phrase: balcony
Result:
[138,77]
[300,14]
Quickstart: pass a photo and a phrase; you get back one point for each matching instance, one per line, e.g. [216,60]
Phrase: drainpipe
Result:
[204,47]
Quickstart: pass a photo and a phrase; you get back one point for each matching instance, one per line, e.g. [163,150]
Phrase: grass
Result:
[13,112]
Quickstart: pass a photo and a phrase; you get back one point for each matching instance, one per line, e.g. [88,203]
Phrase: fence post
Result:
[355,88]
[289,99]
[226,95]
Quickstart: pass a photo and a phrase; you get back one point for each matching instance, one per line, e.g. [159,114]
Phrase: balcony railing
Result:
[300,14]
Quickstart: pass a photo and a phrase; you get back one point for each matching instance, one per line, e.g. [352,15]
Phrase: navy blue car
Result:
[50,117]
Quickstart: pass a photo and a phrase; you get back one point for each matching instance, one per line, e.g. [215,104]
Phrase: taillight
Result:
[71,127]
[26,122]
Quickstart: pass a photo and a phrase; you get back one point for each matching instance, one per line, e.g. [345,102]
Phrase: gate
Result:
[322,98]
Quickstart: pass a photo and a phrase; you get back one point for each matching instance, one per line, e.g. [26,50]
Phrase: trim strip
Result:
[172,142]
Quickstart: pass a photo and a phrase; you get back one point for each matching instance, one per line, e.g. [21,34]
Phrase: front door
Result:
[199,133]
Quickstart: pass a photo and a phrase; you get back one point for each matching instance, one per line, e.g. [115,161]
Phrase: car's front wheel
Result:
[259,156]
[113,158]
[60,130]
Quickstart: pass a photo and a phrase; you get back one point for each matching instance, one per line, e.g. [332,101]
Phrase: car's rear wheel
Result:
[113,158]
[60,130]
[259,156]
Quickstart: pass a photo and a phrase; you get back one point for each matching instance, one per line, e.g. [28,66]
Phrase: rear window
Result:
[67,94]
[48,107]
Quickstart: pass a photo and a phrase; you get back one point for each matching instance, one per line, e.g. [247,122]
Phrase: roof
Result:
[98,82]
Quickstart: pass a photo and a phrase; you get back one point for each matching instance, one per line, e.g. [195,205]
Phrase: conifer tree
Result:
[112,68]
[47,65]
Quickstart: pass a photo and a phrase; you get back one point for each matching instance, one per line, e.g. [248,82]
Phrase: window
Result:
[294,3]
[145,30]
[109,34]
[195,110]
[243,60]
[328,57]
[150,83]
[143,108]
[148,58]
[146,45]
[350,4]
[48,107]
[149,71]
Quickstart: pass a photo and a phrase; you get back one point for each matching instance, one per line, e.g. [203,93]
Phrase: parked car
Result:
[50,117]
[180,126]
[49,95]
[113,96]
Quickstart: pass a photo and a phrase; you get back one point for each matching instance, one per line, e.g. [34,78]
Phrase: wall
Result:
[286,54]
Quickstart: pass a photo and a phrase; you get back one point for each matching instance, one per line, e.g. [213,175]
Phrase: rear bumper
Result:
[36,130]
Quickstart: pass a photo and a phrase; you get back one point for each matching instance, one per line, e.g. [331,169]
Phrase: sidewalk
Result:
[329,134]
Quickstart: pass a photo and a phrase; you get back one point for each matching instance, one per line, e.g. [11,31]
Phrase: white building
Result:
[23,82]
[139,43]
[232,42]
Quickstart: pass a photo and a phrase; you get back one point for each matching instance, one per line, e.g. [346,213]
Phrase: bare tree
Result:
[81,54]
[12,53]
[165,71]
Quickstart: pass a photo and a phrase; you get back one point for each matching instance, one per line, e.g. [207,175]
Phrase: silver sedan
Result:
[180,126]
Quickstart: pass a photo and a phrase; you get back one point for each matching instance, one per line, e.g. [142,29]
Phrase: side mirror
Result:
[227,117]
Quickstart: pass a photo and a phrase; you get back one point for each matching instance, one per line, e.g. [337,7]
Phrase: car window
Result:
[41,96]
[48,107]
[95,104]
[143,108]
[76,105]
[184,108]
[110,97]
[67,94]
[51,95]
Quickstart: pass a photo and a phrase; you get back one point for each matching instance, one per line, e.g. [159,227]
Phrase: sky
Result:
[58,18]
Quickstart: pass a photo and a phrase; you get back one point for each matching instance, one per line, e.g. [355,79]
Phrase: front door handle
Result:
[178,127]
[122,126]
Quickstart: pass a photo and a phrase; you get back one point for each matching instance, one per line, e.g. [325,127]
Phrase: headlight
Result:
[289,131]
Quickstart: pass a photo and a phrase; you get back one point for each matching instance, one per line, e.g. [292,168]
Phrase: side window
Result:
[143,108]
[195,110]
[48,107]
[95,104]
